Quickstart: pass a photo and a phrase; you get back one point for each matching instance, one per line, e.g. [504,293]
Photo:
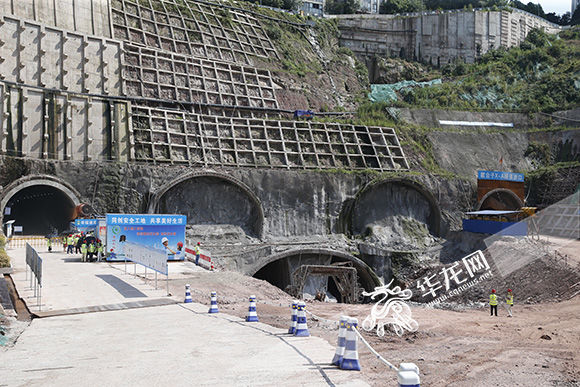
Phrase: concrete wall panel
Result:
[52,60]
[85,16]
[48,57]
[33,123]
[9,37]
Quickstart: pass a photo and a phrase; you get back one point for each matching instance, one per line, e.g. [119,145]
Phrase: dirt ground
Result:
[539,346]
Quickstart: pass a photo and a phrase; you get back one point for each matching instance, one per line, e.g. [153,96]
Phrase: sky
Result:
[558,6]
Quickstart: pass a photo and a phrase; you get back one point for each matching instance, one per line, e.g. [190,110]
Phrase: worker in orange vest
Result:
[493,302]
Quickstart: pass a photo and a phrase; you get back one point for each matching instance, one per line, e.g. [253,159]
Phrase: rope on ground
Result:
[375,352]
[318,318]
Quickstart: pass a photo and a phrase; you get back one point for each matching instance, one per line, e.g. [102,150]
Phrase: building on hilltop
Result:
[313,7]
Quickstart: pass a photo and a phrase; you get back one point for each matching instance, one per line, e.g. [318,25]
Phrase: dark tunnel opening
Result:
[39,210]
[279,273]
[502,201]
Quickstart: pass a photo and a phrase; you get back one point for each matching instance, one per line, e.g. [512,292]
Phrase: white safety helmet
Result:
[164,240]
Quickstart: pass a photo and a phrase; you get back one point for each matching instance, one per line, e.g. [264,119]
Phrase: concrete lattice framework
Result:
[69,96]
[164,135]
[32,180]
[195,28]
[161,75]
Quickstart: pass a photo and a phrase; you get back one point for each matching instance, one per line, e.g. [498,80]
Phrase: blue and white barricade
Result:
[213,307]
[252,313]
[301,326]
[350,359]
[292,328]
[339,354]
[187,294]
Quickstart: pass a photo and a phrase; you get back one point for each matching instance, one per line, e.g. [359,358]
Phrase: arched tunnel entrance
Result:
[225,204]
[39,209]
[279,271]
[501,199]
[396,212]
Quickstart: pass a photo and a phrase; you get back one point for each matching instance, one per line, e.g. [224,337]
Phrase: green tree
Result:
[342,7]
[401,6]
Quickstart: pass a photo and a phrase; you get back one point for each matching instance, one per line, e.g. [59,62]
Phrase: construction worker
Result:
[197,252]
[70,243]
[493,302]
[49,244]
[509,300]
[92,249]
[77,240]
[84,250]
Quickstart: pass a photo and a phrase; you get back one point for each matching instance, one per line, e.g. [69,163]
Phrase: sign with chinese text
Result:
[161,232]
[86,225]
[496,175]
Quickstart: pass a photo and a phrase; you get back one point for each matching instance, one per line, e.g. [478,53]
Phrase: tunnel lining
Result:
[32,180]
[156,199]
[503,191]
[363,270]
[434,218]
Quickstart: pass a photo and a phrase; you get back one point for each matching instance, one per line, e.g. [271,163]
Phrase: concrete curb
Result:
[106,308]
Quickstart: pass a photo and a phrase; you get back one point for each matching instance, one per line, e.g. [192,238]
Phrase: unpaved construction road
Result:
[173,344]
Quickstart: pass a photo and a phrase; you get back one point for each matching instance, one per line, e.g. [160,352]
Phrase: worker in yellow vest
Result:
[70,242]
[509,300]
[493,302]
[197,252]
[49,244]
[92,249]
[84,251]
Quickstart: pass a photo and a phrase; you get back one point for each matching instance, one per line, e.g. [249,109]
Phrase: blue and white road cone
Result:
[187,294]
[252,314]
[350,359]
[292,328]
[213,307]
[339,354]
[408,379]
[301,327]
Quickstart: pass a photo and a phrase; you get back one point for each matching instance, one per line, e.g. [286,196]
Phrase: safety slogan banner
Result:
[147,256]
[162,232]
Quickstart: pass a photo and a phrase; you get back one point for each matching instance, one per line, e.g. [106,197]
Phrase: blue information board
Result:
[86,225]
[146,230]
[497,175]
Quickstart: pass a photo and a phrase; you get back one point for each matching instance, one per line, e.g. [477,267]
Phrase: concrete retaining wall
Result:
[437,38]
[86,16]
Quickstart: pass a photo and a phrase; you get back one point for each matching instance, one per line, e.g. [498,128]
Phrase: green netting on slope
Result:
[388,93]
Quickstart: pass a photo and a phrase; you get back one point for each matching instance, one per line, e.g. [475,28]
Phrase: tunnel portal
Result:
[212,200]
[279,272]
[39,210]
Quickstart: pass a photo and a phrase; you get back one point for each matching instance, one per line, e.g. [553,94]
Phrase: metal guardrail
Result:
[16,242]
[34,262]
